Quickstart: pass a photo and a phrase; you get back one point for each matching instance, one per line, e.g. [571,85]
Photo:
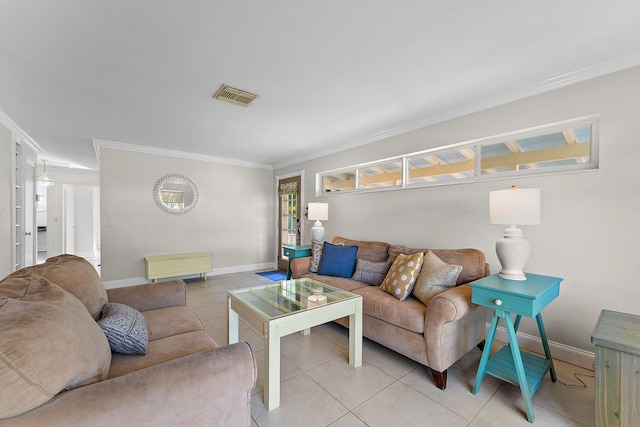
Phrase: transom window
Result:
[559,147]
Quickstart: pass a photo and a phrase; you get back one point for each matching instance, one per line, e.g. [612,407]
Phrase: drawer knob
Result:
[498,302]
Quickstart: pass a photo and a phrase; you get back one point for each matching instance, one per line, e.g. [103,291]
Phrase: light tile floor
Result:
[319,388]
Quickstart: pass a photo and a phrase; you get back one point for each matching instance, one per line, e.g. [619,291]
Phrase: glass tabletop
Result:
[289,296]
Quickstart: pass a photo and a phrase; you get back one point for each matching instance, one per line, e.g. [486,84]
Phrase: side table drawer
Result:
[289,252]
[510,303]
[293,252]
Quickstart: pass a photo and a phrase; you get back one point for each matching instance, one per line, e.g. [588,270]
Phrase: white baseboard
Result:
[575,356]
[215,272]
[241,268]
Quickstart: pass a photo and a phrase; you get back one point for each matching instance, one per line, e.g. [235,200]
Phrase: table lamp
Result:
[318,212]
[513,207]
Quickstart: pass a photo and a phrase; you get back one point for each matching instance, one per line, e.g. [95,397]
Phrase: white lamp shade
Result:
[516,206]
[318,211]
[513,207]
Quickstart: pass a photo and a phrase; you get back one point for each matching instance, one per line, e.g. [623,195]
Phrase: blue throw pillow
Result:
[338,261]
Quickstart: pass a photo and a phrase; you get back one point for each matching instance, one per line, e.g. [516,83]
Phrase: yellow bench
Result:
[161,266]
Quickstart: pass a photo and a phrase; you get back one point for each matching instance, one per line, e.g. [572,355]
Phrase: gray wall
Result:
[589,233]
[233,219]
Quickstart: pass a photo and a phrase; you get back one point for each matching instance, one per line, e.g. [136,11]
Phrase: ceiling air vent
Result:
[234,95]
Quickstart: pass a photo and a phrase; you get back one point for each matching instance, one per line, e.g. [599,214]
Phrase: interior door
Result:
[30,235]
[18,215]
[69,219]
[288,216]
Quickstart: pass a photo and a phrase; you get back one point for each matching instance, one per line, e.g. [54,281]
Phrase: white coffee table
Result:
[281,308]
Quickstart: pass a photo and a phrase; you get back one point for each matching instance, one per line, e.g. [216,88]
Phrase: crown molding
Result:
[17,130]
[100,143]
[470,106]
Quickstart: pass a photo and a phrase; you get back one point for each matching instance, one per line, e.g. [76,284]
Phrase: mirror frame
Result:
[172,177]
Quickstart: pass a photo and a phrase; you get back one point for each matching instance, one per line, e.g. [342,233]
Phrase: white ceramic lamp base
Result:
[513,252]
[317,231]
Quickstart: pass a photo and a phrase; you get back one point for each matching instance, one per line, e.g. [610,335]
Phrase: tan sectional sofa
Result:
[436,335]
[57,368]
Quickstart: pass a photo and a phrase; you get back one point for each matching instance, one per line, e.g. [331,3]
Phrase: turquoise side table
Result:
[292,252]
[522,298]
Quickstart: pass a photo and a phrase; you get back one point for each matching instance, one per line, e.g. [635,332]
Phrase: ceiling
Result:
[329,75]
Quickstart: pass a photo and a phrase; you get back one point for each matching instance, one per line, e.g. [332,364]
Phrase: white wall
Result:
[233,219]
[589,233]
[85,225]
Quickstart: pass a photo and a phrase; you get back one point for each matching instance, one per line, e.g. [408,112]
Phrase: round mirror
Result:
[175,194]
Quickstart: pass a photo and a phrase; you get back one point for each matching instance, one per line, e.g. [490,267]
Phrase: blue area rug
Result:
[274,275]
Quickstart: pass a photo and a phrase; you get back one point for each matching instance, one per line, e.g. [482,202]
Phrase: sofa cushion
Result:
[77,276]
[346,284]
[408,314]
[369,250]
[48,343]
[436,276]
[369,272]
[125,328]
[168,321]
[162,350]
[402,275]
[337,260]
[471,260]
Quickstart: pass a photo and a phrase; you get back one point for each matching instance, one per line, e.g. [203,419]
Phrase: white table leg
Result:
[272,368]
[355,335]
[233,326]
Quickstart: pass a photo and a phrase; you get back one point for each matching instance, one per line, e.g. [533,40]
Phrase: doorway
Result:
[81,222]
[289,207]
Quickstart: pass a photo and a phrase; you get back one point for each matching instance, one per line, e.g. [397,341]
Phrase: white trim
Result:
[17,130]
[575,356]
[99,143]
[427,118]
[133,281]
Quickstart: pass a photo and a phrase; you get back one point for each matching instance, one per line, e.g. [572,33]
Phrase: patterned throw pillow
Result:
[402,275]
[371,273]
[125,328]
[316,254]
[435,277]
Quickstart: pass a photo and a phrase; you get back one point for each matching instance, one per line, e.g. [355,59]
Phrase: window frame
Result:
[592,121]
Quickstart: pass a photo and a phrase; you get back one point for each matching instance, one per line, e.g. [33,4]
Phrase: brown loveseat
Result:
[57,368]
[436,335]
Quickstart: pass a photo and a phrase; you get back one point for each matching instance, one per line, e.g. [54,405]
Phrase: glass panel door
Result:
[288,216]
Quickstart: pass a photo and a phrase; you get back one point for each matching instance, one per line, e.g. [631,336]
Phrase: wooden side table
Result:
[617,340]
[523,298]
[292,252]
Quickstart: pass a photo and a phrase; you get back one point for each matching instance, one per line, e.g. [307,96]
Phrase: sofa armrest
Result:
[211,387]
[150,296]
[450,305]
[300,267]
[453,326]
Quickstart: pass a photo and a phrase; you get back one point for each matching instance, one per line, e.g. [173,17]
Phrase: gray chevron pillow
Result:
[125,328]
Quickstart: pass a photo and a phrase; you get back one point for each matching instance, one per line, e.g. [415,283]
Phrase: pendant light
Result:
[44,178]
